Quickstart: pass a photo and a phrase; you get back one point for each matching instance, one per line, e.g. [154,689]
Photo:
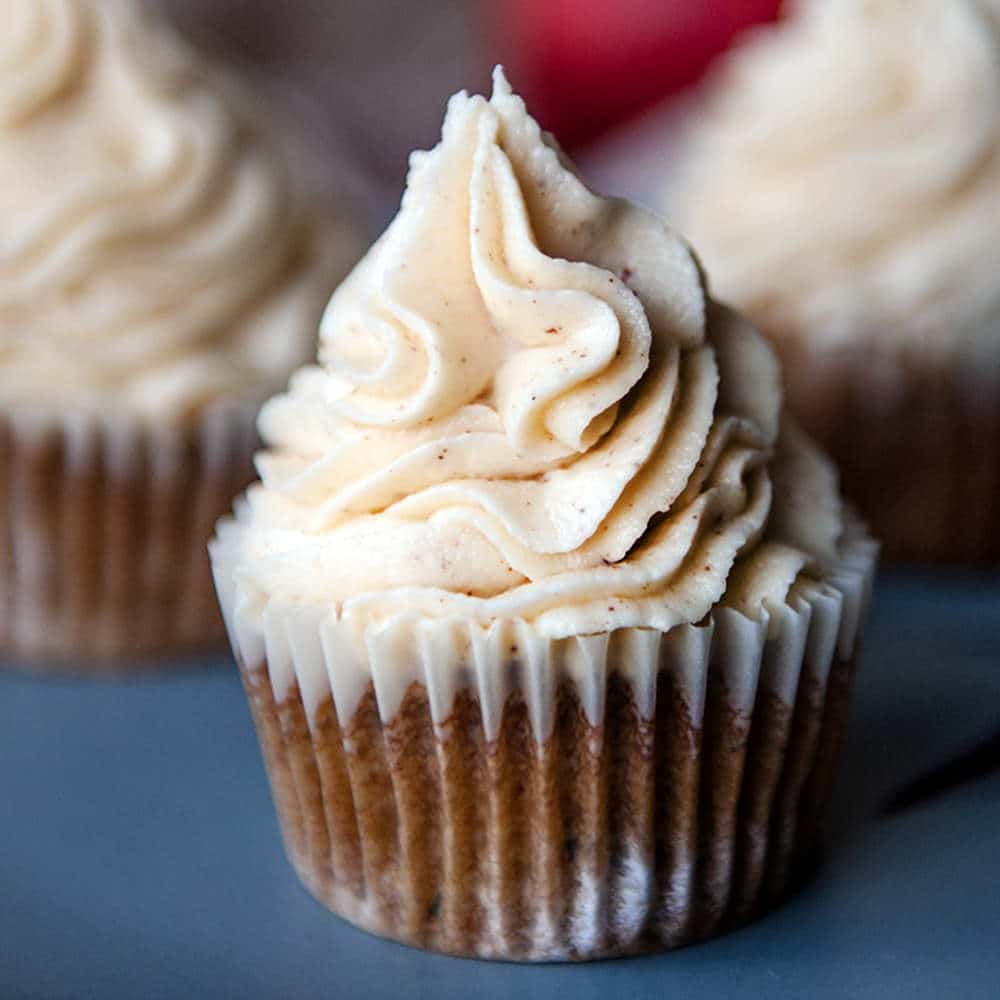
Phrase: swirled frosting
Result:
[156,251]
[844,175]
[526,408]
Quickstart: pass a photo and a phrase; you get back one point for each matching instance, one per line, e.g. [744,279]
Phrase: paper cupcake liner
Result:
[484,791]
[103,533]
[917,441]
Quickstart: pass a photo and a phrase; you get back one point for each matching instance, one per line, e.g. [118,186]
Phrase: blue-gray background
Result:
[139,853]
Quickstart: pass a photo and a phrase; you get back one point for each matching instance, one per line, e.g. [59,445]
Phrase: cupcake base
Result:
[484,789]
[103,533]
[917,442]
[643,833]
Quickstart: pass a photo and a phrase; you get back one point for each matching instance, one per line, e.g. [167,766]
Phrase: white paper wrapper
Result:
[103,528]
[486,791]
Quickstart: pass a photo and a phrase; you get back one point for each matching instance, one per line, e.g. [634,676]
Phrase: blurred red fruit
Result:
[586,65]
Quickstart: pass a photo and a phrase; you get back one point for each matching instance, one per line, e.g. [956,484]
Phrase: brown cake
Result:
[548,619]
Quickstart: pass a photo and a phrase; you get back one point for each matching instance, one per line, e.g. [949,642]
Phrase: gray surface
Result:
[139,855]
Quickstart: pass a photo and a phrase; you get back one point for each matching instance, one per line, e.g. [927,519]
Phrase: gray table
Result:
[139,855]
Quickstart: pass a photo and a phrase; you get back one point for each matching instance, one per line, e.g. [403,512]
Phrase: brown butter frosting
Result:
[157,250]
[527,409]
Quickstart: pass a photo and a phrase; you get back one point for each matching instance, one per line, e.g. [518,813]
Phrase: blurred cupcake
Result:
[162,271]
[547,620]
[843,188]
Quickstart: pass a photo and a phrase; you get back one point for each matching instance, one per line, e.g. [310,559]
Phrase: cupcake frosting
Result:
[527,408]
[154,252]
[844,175]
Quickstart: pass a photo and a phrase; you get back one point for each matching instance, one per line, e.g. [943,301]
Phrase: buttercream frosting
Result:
[843,174]
[527,408]
[157,247]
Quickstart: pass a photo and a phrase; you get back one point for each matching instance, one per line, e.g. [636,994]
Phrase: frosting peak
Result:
[499,275]
[154,248]
[526,409]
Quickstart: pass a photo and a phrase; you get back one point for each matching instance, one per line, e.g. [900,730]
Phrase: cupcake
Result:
[163,269]
[546,616]
[842,186]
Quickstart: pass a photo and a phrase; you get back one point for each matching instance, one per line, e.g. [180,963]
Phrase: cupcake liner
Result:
[103,527]
[917,440]
[484,791]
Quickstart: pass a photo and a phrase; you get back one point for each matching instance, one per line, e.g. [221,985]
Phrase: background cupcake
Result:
[163,267]
[843,188]
[547,619]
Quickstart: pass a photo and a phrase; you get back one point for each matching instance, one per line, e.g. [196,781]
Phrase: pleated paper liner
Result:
[103,533]
[486,792]
[916,439]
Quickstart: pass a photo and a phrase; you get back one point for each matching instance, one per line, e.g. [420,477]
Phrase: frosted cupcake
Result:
[546,618]
[843,188]
[161,272]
